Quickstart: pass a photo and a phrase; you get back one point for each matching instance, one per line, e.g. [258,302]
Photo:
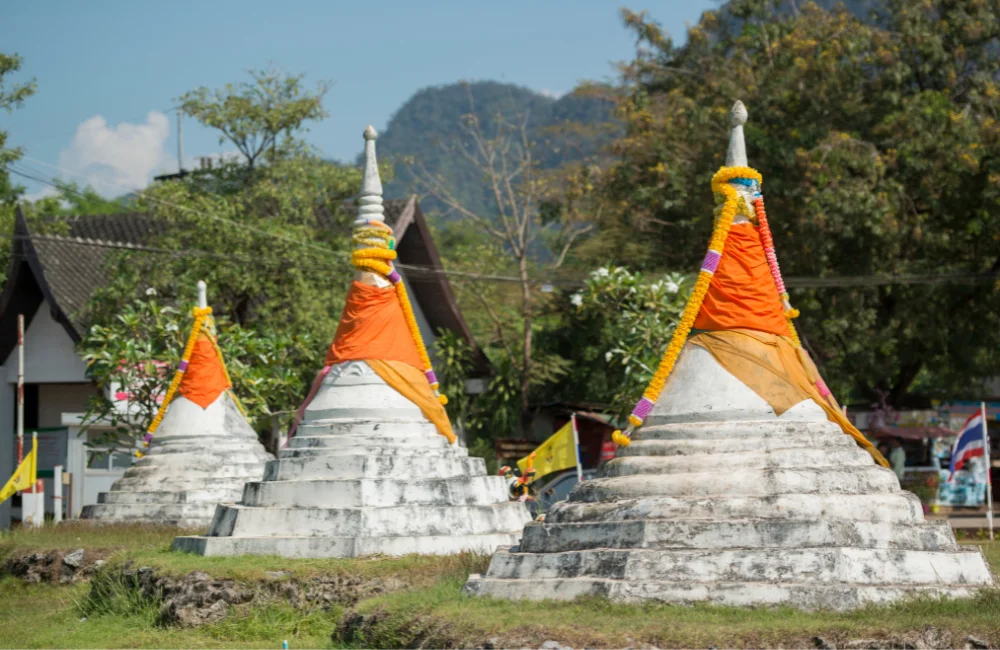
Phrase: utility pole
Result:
[180,143]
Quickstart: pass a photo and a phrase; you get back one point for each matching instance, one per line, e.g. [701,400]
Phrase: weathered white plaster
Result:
[718,499]
[366,473]
[197,459]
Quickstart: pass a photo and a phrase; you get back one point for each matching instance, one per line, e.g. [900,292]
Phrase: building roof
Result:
[65,270]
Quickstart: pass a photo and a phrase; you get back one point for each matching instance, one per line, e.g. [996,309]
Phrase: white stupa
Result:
[367,471]
[721,498]
[200,455]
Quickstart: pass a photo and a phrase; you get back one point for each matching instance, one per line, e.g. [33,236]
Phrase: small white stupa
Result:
[373,466]
[200,449]
[742,487]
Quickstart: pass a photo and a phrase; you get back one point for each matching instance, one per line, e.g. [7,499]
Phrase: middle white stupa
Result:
[373,466]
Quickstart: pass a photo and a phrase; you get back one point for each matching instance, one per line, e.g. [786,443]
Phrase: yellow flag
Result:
[556,453]
[23,478]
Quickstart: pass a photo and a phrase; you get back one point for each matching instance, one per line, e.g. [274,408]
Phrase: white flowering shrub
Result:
[619,324]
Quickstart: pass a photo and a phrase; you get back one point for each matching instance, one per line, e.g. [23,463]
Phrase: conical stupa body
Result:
[746,485]
[718,499]
[199,457]
[370,469]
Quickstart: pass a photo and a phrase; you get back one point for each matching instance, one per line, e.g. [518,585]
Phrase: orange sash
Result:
[205,377]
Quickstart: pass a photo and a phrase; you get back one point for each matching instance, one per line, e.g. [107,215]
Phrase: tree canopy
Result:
[878,142]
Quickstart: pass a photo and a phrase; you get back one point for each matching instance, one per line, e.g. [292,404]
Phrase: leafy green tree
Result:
[12,95]
[612,332]
[138,351]
[879,147]
[260,117]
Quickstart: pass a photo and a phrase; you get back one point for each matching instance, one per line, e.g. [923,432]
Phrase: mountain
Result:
[425,132]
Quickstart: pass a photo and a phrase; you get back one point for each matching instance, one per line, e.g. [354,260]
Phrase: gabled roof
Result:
[66,270]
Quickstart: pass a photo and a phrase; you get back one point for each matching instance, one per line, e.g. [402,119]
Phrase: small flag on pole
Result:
[25,475]
[969,444]
[556,453]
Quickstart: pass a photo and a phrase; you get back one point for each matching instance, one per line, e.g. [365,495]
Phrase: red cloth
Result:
[205,378]
[373,327]
[742,294]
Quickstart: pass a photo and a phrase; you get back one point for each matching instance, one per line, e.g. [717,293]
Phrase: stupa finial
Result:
[371,185]
[737,154]
[202,294]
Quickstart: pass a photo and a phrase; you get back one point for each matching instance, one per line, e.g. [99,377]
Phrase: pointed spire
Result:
[371,185]
[202,294]
[737,154]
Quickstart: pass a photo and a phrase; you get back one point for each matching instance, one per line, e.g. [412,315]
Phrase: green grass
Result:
[428,609]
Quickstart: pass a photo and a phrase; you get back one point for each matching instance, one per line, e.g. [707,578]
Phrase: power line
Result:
[803,282]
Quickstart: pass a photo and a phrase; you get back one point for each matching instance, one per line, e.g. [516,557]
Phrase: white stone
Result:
[197,459]
[720,500]
[365,474]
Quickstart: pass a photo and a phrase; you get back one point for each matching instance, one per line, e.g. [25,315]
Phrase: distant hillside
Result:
[426,129]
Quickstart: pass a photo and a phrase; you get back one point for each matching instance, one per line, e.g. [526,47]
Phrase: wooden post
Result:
[57,493]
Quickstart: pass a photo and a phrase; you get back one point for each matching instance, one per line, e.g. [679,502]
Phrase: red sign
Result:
[608,450]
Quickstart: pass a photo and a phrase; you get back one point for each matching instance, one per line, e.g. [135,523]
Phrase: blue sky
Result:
[108,71]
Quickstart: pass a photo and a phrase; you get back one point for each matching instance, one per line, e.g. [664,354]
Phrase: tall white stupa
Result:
[373,466]
[200,450]
[741,488]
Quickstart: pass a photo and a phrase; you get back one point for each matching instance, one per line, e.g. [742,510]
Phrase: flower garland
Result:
[729,208]
[202,316]
[772,261]
[375,253]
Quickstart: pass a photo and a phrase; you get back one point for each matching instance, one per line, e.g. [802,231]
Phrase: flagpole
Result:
[20,388]
[989,482]
[576,446]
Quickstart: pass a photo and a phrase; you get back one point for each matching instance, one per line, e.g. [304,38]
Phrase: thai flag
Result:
[970,444]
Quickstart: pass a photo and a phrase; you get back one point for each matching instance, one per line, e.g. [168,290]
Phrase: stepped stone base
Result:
[198,459]
[745,509]
[365,474]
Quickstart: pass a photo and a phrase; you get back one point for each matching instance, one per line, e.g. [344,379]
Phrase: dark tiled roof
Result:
[69,268]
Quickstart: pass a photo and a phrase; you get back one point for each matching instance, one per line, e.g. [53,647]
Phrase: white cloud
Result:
[546,92]
[115,159]
[45,191]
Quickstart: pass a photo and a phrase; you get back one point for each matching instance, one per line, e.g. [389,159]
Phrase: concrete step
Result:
[401,521]
[250,449]
[195,461]
[184,515]
[211,492]
[837,597]
[729,481]
[359,427]
[746,460]
[436,441]
[687,446]
[720,534]
[372,466]
[319,547]
[820,566]
[889,507]
[377,493]
[369,449]
[726,430]
[160,473]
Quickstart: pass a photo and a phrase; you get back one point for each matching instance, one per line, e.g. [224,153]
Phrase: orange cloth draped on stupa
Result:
[373,329]
[748,334]
[742,294]
[205,377]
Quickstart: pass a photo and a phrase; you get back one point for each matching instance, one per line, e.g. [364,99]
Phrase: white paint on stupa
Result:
[717,499]
[366,473]
[197,459]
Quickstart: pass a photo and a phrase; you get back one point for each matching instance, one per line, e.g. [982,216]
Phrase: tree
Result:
[521,235]
[260,117]
[879,147]
[140,349]
[12,95]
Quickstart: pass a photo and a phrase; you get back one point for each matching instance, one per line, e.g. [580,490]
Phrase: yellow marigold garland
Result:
[201,318]
[376,256]
[730,206]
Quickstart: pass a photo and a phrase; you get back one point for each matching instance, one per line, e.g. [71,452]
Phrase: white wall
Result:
[49,356]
